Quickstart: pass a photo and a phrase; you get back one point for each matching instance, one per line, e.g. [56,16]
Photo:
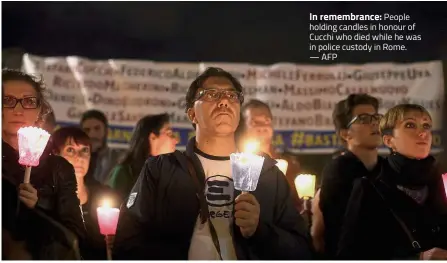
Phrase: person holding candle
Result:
[402,212]
[53,184]
[256,125]
[75,146]
[356,121]
[184,205]
[152,136]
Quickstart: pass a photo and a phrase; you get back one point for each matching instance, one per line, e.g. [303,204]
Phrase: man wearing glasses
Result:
[356,121]
[184,205]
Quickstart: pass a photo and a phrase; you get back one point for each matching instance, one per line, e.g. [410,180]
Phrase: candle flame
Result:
[106,203]
[251,147]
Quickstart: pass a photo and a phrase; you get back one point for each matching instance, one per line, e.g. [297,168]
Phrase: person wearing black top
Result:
[74,145]
[401,213]
[356,121]
[52,183]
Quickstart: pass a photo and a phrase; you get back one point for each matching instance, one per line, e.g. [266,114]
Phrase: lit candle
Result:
[444,178]
[282,165]
[251,147]
[246,168]
[305,185]
[32,143]
[107,218]
[108,221]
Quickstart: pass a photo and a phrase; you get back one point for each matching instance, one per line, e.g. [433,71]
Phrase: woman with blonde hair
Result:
[401,213]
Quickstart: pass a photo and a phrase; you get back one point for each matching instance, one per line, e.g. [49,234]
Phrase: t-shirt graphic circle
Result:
[219,191]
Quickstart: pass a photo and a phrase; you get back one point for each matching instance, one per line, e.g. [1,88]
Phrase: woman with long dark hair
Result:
[152,136]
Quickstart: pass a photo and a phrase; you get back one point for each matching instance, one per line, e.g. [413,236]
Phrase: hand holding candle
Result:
[108,221]
[32,143]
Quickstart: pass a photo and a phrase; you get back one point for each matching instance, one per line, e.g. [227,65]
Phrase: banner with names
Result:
[302,97]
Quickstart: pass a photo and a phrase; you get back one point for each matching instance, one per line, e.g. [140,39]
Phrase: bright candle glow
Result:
[305,185]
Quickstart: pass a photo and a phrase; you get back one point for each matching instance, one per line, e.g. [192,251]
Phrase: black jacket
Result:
[55,182]
[370,230]
[161,221]
[337,181]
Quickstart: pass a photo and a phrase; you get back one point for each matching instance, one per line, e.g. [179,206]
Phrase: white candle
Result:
[305,185]
[282,165]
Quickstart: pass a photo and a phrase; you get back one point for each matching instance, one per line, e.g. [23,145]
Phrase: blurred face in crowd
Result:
[258,124]
[412,135]
[363,131]
[78,155]
[96,130]
[217,107]
[163,143]
[21,106]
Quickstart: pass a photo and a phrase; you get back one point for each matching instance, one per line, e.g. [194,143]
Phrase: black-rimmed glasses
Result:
[27,102]
[365,119]
[212,95]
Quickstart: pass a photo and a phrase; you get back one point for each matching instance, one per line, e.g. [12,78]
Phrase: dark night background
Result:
[251,32]
[255,32]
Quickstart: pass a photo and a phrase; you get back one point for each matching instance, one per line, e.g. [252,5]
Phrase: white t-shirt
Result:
[219,195]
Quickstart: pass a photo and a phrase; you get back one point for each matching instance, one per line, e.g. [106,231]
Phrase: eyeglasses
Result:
[212,95]
[27,102]
[82,153]
[365,119]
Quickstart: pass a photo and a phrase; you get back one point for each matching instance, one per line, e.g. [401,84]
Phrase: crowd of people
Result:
[183,205]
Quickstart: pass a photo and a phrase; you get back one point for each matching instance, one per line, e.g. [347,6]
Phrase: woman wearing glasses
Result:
[152,136]
[402,212]
[75,146]
[53,184]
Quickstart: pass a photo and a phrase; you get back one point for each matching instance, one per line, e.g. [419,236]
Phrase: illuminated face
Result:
[78,155]
[363,130]
[412,136]
[21,107]
[258,123]
[217,107]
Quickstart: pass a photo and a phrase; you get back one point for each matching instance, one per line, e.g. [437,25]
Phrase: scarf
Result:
[412,173]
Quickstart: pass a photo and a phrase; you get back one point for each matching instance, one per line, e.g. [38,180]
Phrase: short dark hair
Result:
[60,136]
[198,82]
[342,113]
[95,114]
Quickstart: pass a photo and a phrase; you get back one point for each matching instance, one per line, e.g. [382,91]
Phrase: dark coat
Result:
[160,224]
[55,182]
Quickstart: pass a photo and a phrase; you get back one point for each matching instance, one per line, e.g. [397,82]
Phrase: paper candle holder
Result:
[305,185]
[282,165]
[32,143]
[108,220]
[246,169]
